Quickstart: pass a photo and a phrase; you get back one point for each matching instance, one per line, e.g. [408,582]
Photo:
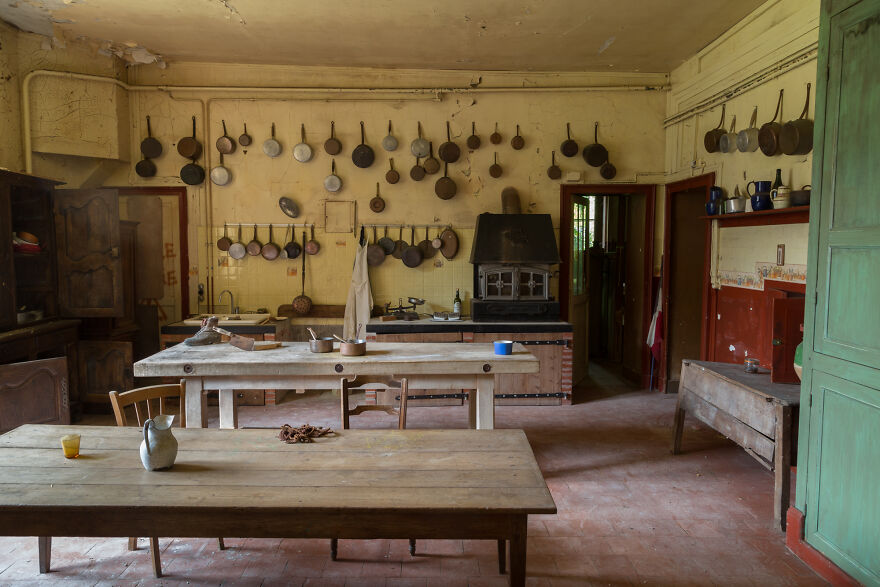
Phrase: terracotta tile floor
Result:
[629,513]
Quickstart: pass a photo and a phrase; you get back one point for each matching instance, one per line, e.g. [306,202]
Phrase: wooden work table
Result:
[293,366]
[358,484]
[750,410]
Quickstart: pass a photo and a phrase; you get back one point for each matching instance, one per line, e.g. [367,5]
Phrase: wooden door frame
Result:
[707,328]
[183,221]
[566,192]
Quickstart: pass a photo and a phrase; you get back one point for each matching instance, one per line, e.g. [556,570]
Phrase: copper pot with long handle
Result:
[710,141]
[768,135]
[796,136]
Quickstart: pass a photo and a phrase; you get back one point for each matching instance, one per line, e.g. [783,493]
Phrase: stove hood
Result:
[514,239]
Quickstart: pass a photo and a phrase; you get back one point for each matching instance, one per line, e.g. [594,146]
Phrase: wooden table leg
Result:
[782,465]
[44,546]
[228,409]
[502,557]
[196,403]
[485,402]
[472,408]
[678,422]
[518,550]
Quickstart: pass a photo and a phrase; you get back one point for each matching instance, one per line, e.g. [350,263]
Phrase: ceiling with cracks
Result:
[489,35]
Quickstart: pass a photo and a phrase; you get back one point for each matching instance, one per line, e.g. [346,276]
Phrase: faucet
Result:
[232,307]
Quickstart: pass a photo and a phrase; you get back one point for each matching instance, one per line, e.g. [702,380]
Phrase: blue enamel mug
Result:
[503,347]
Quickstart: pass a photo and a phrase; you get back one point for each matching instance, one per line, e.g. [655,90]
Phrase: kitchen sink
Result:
[230,319]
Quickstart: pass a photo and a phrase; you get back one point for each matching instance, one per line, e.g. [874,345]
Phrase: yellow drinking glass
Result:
[70,445]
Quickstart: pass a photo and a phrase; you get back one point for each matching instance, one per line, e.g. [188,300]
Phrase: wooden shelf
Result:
[793,215]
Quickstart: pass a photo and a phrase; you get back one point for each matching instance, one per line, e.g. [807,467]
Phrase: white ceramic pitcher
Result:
[159,447]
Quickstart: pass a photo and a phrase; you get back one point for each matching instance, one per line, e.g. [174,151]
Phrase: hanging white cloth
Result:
[360,298]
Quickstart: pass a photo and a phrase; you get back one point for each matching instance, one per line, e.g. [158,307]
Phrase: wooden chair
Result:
[149,402]
[368,382]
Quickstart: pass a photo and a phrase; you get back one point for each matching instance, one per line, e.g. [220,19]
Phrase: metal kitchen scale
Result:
[402,312]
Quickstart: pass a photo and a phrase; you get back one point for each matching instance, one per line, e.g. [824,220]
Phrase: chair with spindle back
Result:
[149,402]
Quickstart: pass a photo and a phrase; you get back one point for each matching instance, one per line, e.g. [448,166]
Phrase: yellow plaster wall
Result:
[773,48]
[630,128]
[10,108]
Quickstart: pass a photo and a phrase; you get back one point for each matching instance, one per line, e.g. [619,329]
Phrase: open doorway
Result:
[685,284]
[606,245]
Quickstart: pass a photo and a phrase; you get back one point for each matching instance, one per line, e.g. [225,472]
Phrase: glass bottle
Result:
[456,303]
[778,181]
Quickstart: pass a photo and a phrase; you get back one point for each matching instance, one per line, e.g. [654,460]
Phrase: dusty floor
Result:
[629,513]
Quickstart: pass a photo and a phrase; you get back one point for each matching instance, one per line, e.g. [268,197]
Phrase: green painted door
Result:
[840,409]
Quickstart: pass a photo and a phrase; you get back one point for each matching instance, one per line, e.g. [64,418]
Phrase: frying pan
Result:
[747,139]
[192,173]
[417,172]
[710,141]
[495,169]
[363,155]
[255,246]
[293,248]
[220,175]
[727,142]
[225,144]
[333,183]
[473,141]
[377,204]
[596,154]
[271,147]
[553,172]
[270,250]
[399,245]
[389,143]
[431,164]
[450,243]
[569,146]
[796,136]
[288,206]
[608,171]
[332,146]
[449,151]
[425,247]
[302,304]
[145,168]
[224,242]
[412,255]
[495,137]
[312,247]
[282,250]
[386,243]
[245,139]
[445,187]
[189,147]
[375,253]
[150,147]
[391,176]
[768,136]
[517,142]
[437,242]
[302,152]
[419,146]
[237,249]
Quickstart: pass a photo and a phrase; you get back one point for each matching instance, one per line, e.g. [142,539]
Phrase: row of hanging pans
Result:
[363,155]
[795,137]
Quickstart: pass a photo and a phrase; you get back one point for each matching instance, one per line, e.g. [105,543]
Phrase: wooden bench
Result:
[747,408]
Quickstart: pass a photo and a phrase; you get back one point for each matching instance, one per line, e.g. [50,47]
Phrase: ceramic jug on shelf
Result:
[159,447]
[781,197]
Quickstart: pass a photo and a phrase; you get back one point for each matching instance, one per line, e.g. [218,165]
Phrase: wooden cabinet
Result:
[34,392]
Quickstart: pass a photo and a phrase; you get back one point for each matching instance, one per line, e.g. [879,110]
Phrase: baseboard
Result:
[794,540]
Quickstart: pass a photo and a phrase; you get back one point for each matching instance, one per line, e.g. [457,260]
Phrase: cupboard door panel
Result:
[89,264]
[34,392]
[105,366]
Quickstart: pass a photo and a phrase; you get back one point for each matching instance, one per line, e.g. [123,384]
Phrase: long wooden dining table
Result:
[353,484]
[222,367]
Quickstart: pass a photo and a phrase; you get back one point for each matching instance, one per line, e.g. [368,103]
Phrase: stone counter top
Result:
[428,325]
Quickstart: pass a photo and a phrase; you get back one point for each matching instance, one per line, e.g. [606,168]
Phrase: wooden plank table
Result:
[748,409]
[426,366]
[358,484]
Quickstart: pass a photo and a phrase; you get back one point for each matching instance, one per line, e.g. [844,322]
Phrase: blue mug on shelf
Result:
[715,193]
[762,201]
[712,208]
[503,347]
[760,187]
